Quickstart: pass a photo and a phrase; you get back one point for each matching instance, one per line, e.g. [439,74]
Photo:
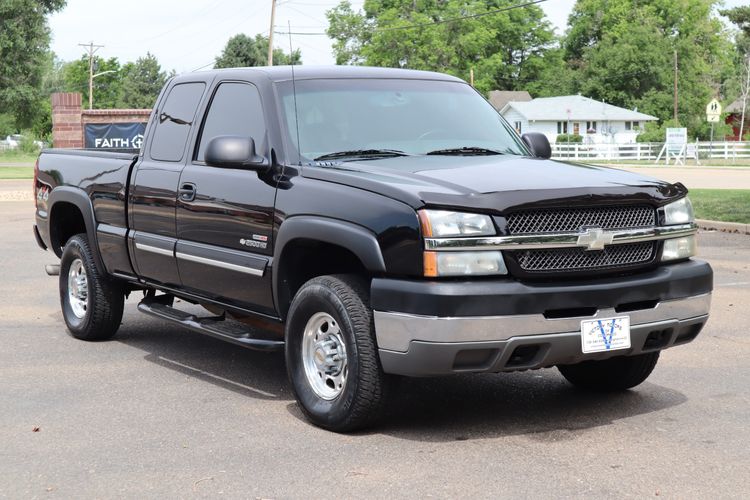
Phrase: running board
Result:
[215,326]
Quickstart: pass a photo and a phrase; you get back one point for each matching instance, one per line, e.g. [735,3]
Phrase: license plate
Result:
[606,334]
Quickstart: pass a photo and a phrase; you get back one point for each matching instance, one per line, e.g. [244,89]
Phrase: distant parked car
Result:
[13,141]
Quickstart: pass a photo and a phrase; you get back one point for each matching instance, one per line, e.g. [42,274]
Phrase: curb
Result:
[725,227]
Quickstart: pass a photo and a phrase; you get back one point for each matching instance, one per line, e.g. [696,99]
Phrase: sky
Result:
[186,35]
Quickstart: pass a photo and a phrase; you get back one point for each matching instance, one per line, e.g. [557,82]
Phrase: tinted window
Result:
[174,120]
[235,110]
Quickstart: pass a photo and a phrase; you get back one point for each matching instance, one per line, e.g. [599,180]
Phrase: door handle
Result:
[187,191]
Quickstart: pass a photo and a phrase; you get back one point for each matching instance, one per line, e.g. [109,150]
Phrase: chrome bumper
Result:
[426,345]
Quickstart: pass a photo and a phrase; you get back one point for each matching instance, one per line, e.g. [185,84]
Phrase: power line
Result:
[432,23]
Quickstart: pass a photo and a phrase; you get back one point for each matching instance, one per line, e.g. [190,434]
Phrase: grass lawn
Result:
[8,157]
[16,172]
[728,205]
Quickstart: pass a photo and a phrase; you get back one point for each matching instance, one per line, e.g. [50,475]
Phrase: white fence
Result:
[649,151]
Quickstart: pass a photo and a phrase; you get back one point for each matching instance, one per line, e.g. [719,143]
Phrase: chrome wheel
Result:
[78,289]
[324,356]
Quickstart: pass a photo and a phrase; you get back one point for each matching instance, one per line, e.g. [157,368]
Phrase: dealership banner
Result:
[108,136]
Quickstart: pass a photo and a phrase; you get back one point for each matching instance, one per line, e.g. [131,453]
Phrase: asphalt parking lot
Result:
[161,412]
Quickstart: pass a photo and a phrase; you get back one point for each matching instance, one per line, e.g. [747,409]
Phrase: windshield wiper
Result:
[466,151]
[362,153]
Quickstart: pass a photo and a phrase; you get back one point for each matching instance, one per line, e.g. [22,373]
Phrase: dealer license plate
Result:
[606,334]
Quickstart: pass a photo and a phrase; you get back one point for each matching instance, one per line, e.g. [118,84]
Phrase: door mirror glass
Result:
[233,152]
[538,144]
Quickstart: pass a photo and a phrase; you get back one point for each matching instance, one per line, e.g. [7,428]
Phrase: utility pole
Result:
[91,49]
[675,84]
[744,93]
[270,33]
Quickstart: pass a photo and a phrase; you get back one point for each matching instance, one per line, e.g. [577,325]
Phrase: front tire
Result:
[614,374]
[331,354]
[92,304]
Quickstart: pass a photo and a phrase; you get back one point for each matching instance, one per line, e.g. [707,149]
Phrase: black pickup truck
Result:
[372,222]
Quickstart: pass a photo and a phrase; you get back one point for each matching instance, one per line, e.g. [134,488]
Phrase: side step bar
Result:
[215,327]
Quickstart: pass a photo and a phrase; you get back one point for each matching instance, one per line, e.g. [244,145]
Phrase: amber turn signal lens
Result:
[430,264]
[424,222]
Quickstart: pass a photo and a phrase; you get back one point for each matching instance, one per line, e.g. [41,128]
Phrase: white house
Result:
[598,122]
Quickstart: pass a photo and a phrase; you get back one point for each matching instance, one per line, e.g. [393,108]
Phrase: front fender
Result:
[354,238]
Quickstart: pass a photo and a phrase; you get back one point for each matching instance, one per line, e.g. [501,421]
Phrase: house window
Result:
[591,127]
[632,125]
[518,127]
[562,127]
[576,128]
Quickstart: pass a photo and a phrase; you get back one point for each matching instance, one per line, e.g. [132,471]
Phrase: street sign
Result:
[713,111]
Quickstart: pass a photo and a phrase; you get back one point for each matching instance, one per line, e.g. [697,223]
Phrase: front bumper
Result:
[521,326]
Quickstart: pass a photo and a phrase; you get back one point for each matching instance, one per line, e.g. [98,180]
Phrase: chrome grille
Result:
[578,259]
[573,219]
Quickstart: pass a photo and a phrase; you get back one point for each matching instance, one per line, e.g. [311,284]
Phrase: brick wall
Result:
[69,119]
[67,127]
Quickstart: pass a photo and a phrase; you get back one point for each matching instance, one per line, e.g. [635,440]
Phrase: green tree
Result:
[7,125]
[24,41]
[52,81]
[740,16]
[107,88]
[506,50]
[623,53]
[242,51]
[141,82]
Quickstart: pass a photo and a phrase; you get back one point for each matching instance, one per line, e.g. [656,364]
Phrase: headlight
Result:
[464,263]
[679,212]
[679,248]
[443,223]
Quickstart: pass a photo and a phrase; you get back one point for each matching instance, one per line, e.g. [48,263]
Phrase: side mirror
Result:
[538,144]
[233,152]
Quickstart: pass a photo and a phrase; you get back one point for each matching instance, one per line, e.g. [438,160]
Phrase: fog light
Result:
[679,248]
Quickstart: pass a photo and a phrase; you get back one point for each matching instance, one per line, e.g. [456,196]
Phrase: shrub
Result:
[28,146]
[571,138]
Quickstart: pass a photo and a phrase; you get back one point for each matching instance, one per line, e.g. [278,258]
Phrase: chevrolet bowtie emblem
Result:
[594,239]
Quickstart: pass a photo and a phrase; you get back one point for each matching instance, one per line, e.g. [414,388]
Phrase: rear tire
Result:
[614,374]
[92,304]
[331,354]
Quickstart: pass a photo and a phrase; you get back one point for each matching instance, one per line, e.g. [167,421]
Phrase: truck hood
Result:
[495,184]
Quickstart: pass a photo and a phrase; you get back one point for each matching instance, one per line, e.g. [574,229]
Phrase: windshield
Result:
[359,117]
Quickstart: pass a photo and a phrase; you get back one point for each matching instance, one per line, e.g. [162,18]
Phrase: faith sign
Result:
[713,111]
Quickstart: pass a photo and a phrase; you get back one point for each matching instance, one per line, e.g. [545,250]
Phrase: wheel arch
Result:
[311,246]
[70,212]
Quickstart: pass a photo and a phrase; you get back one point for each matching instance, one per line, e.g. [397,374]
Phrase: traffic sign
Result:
[713,111]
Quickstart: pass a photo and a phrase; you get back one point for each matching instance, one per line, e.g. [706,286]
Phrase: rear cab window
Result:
[173,121]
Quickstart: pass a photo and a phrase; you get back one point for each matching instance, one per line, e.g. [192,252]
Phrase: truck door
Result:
[225,215]
[153,190]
